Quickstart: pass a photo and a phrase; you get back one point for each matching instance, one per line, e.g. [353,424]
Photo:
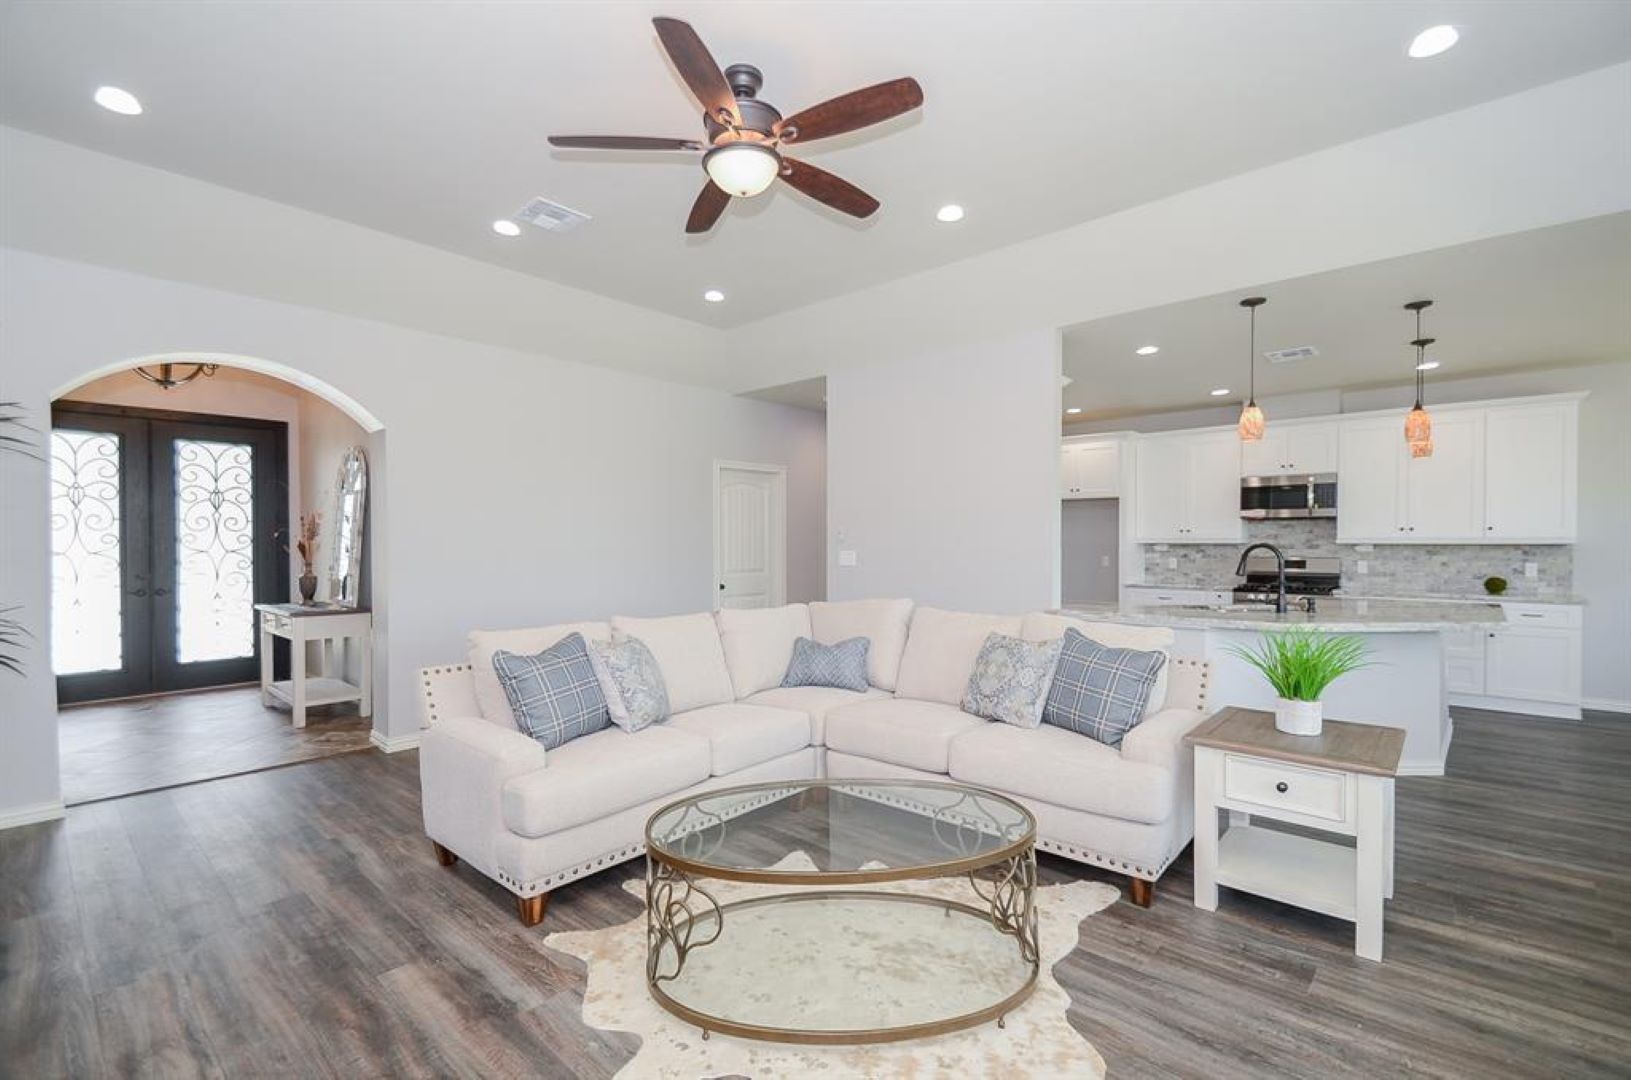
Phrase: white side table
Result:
[331,625]
[1339,782]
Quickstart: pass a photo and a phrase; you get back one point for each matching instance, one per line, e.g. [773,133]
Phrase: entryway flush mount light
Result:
[1147,350]
[1432,41]
[742,168]
[506,227]
[714,296]
[1418,426]
[166,377]
[116,100]
[949,213]
[1252,420]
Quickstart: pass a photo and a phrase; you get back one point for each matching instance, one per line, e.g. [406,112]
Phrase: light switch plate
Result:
[1172,564]
[846,558]
[1531,570]
[1104,561]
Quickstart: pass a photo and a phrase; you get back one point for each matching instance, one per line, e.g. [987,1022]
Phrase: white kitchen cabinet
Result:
[1371,480]
[1291,447]
[1444,492]
[1090,470]
[1531,466]
[1386,496]
[1464,660]
[1528,664]
[1189,488]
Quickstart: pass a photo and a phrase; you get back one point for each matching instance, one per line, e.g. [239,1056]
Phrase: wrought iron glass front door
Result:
[165,532]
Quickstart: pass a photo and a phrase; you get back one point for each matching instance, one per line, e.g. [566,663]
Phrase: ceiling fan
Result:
[745,136]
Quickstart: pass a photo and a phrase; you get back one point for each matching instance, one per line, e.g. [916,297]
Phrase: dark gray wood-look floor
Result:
[294,922]
[122,747]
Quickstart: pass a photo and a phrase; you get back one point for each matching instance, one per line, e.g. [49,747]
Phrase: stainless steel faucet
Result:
[1279,571]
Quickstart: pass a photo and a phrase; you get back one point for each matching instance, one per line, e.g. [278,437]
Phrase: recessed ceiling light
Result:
[506,227]
[1073,410]
[1221,391]
[1427,365]
[1432,41]
[116,100]
[714,296]
[949,213]
[1147,350]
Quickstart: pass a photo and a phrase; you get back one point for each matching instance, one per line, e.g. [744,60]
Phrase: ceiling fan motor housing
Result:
[759,117]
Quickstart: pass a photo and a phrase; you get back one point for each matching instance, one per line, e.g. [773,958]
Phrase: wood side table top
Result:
[1360,748]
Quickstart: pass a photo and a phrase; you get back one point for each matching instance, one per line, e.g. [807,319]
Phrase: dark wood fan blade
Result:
[621,142]
[697,67]
[823,186]
[706,210]
[852,111]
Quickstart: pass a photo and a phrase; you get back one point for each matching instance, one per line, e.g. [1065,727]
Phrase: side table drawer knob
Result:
[1282,787]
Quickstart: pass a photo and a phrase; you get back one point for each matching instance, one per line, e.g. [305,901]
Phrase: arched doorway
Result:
[176,517]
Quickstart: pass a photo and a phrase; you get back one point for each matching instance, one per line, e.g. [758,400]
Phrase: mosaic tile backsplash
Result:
[1394,569]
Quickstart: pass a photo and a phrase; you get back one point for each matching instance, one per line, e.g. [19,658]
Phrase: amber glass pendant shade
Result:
[1418,432]
[1251,422]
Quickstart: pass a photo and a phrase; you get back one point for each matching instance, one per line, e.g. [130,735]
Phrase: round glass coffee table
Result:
[803,946]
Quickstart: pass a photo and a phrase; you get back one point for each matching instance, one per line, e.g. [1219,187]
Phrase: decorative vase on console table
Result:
[1300,664]
[306,547]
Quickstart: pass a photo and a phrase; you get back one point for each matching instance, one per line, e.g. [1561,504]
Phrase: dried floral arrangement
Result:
[311,524]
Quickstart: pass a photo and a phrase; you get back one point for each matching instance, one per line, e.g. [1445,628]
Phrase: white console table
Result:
[299,624]
[1339,782]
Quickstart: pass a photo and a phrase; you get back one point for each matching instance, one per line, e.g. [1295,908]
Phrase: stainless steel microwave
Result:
[1310,495]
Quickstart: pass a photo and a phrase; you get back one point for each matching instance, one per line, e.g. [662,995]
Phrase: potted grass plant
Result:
[1300,665]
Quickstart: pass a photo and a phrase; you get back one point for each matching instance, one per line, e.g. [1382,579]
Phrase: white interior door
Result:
[749,537]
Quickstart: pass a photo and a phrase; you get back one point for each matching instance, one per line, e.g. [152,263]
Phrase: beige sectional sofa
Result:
[535,820]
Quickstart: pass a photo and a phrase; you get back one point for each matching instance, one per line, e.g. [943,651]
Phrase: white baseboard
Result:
[29,815]
[1603,704]
[1551,710]
[393,744]
[1420,770]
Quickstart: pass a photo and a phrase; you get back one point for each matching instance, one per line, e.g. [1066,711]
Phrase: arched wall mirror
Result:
[350,502]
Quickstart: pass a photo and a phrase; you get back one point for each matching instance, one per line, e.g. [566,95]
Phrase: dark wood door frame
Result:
[147,512]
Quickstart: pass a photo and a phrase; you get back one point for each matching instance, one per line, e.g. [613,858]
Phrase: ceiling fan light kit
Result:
[745,136]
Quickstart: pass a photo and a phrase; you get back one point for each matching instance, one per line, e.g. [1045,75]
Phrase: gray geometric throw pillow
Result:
[842,665]
[1010,680]
[636,695]
[555,695]
[1098,691]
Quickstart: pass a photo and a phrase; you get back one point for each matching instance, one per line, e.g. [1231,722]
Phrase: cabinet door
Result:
[1311,448]
[1445,492]
[1464,660]
[1163,469]
[1533,664]
[1212,498]
[1098,470]
[1531,461]
[1266,456]
[1067,471]
[1370,480]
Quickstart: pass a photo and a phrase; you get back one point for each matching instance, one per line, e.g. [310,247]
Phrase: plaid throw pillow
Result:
[842,665]
[555,695]
[1098,691]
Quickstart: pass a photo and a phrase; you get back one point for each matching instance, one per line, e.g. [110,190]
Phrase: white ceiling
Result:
[1545,298]
[427,120]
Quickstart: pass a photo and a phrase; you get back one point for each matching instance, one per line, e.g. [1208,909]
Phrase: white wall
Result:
[517,489]
[1602,557]
[944,476]
[1090,533]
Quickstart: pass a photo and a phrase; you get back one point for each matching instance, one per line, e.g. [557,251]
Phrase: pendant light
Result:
[1251,417]
[1418,426]
[167,376]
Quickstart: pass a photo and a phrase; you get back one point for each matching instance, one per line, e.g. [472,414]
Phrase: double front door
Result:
[165,532]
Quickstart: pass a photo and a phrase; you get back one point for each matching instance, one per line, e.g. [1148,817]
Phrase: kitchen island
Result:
[1404,687]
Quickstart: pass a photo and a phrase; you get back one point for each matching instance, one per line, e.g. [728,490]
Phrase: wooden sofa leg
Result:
[444,856]
[531,908]
[1143,891]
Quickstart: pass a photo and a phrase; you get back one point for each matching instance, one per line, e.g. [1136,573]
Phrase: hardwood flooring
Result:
[122,747]
[295,922]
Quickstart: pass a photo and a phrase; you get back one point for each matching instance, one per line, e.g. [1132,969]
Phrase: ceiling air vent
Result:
[551,215]
[1296,352]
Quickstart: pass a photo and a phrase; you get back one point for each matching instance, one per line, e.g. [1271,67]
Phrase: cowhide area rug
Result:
[1037,1040]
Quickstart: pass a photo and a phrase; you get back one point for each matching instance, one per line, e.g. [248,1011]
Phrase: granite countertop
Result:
[1334,614]
[1469,597]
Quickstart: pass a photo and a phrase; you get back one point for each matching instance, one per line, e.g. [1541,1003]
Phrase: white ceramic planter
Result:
[1298,717]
